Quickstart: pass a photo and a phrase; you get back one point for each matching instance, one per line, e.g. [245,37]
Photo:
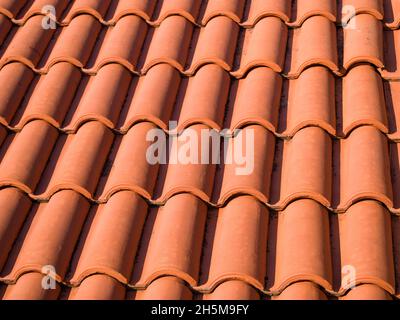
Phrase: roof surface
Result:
[77,192]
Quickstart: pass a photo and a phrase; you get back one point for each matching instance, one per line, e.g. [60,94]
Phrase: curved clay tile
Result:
[392,64]
[205,98]
[28,44]
[364,43]
[311,102]
[169,44]
[314,44]
[240,178]
[392,14]
[49,238]
[94,8]
[29,287]
[188,9]
[257,99]
[194,177]
[363,100]
[98,287]
[3,134]
[103,98]
[53,96]
[366,245]
[306,9]
[75,43]
[364,150]
[245,258]
[302,246]
[264,45]
[305,290]
[174,243]
[372,7]
[267,8]
[15,79]
[164,288]
[367,292]
[31,148]
[309,147]
[69,169]
[122,44]
[153,97]
[131,169]
[142,8]
[233,290]
[233,9]
[14,210]
[121,219]
[216,44]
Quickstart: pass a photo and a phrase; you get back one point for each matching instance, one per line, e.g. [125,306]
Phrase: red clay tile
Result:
[52,96]
[268,8]
[366,244]
[216,44]
[363,43]
[98,287]
[169,44]
[77,107]
[310,147]
[306,9]
[302,291]
[174,249]
[314,44]
[365,150]
[303,222]
[232,9]
[257,49]
[256,100]
[122,44]
[153,97]
[363,100]
[131,170]
[10,8]
[164,288]
[372,7]
[367,292]
[28,45]
[245,258]
[311,102]
[96,8]
[257,182]
[121,220]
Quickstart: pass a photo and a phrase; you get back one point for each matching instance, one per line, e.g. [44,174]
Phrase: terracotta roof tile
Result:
[314,82]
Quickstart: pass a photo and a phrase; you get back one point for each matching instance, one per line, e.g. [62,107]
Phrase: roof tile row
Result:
[199,13]
[315,43]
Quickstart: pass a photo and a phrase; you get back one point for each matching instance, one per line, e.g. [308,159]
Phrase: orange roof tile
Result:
[314,81]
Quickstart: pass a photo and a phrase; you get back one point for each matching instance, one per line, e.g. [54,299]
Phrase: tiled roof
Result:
[78,193]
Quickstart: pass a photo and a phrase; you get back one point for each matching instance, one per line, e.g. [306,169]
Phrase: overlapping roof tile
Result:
[316,82]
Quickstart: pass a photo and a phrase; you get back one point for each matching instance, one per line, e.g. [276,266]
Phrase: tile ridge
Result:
[222,201]
[73,128]
[201,23]
[192,70]
[209,286]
